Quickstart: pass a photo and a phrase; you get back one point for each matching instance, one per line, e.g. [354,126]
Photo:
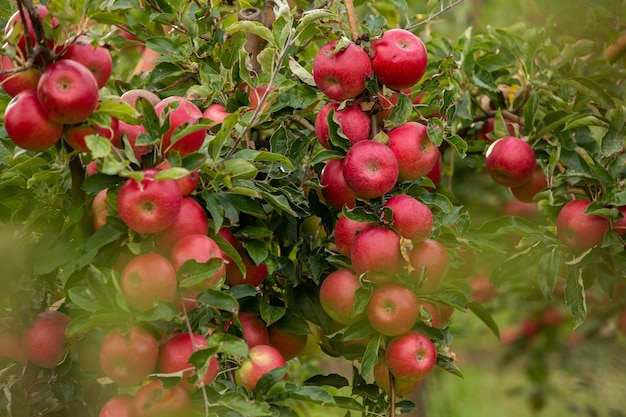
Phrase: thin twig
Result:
[434,16]
[616,49]
[352,19]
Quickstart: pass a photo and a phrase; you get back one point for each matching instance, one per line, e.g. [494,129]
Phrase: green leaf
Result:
[313,394]
[163,45]
[458,144]
[249,26]
[271,314]
[331,380]
[402,111]
[219,300]
[435,130]
[300,72]
[370,357]
[99,146]
[238,402]
[575,295]
[483,314]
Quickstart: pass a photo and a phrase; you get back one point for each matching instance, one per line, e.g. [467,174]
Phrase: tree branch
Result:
[352,19]
[616,50]
[434,16]
[41,46]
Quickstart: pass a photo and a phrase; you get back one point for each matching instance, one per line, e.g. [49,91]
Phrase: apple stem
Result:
[352,19]
[434,16]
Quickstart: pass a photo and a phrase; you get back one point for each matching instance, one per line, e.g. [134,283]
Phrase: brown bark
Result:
[616,50]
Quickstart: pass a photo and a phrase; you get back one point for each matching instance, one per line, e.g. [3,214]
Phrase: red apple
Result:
[131,132]
[261,360]
[436,172]
[578,230]
[377,252]
[146,278]
[481,288]
[510,161]
[410,218]
[131,96]
[187,183]
[411,356]
[44,340]
[216,112]
[253,328]
[400,59]
[355,123]
[16,31]
[439,314]
[202,249]
[621,325]
[256,95]
[13,83]
[415,153]
[127,358]
[431,259]
[402,387]
[289,344]
[393,309]
[75,134]
[341,74]
[386,103]
[154,400]
[191,220]
[336,191]
[483,133]
[528,211]
[118,406]
[370,169]
[174,357]
[68,92]
[100,209]
[11,346]
[96,58]
[338,295]
[186,113]
[149,206]
[527,191]
[345,231]
[255,274]
[28,125]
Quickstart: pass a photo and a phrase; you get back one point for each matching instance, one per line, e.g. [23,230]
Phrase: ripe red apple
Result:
[27,124]
[402,387]
[430,258]
[377,252]
[186,113]
[127,358]
[253,328]
[149,206]
[436,172]
[415,152]
[216,112]
[387,103]
[146,278]
[510,161]
[13,83]
[255,274]
[131,132]
[481,288]
[174,357]
[261,360]
[118,406]
[96,58]
[338,295]
[438,317]
[68,92]
[341,74]
[17,32]
[527,191]
[75,134]
[191,220]
[400,59]
[100,209]
[578,230]
[410,218]
[289,344]
[355,123]
[483,133]
[336,191]
[622,322]
[370,169]
[393,309]
[256,95]
[202,249]
[411,356]
[154,400]
[345,231]
[187,183]
[44,340]
[131,96]
[11,346]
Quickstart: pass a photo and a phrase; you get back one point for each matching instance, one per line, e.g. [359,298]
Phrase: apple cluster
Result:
[55,98]
[396,254]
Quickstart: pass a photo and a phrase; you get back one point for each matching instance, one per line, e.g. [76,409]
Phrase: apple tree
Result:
[199,196]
